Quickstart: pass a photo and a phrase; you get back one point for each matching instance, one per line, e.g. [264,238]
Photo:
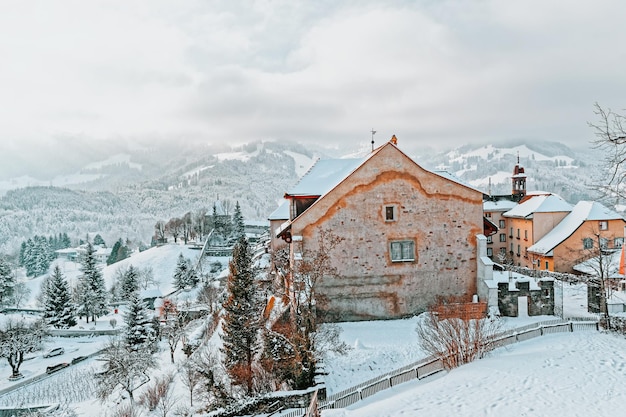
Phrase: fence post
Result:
[571,326]
[390,382]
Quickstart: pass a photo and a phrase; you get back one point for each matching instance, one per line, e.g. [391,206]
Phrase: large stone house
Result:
[589,226]
[408,235]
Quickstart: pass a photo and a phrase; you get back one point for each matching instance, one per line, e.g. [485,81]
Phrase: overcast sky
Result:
[432,72]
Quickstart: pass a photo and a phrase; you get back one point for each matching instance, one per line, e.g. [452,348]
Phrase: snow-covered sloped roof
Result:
[500,205]
[449,176]
[281,212]
[539,204]
[610,263]
[324,176]
[583,211]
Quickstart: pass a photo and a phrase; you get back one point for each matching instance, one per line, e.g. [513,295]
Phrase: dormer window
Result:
[390,214]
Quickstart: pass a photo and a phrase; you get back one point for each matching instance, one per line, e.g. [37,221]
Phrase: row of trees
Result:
[199,224]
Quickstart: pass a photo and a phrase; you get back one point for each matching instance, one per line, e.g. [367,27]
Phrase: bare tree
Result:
[598,260]
[455,341]
[125,368]
[290,347]
[191,378]
[160,232]
[610,133]
[186,227]
[158,396]
[17,338]
[174,228]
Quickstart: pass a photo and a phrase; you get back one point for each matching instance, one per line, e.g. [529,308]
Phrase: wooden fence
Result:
[432,365]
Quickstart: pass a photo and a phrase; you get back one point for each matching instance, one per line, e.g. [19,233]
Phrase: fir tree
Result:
[130,283]
[114,251]
[7,281]
[239,229]
[97,240]
[140,332]
[184,276]
[92,292]
[59,310]
[241,323]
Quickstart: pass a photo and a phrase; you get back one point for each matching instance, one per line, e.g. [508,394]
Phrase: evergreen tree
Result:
[119,252]
[92,291]
[114,252]
[184,276]
[140,332]
[59,310]
[239,229]
[7,281]
[97,240]
[241,323]
[130,283]
[65,241]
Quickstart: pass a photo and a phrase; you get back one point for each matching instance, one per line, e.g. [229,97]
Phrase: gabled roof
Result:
[499,205]
[281,212]
[324,175]
[582,212]
[539,204]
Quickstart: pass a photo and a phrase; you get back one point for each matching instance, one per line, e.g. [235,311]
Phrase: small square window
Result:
[604,225]
[489,239]
[587,243]
[618,242]
[390,213]
[402,251]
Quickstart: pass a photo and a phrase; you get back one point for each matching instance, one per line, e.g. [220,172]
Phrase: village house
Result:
[530,220]
[408,235]
[590,226]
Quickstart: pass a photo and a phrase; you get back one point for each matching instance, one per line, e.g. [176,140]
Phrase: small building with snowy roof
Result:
[589,227]
[529,221]
[406,235]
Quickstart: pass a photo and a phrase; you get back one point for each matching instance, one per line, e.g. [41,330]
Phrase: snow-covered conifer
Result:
[130,283]
[92,291]
[7,281]
[140,332]
[59,309]
[241,323]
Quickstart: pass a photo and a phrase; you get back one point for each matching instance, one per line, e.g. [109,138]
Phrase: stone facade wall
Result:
[440,217]
[540,302]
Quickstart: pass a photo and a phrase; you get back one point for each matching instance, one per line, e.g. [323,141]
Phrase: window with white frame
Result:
[502,224]
[618,242]
[402,251]
[489,239]
[489,252]
[604,243]
[502,237]
[390,213]
[603,225]
[587,243]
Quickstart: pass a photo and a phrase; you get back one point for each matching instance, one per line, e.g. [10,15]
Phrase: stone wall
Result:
[540,301]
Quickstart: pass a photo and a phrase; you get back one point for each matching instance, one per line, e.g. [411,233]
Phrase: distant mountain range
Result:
[123,194]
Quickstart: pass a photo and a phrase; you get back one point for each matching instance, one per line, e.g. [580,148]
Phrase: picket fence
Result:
[431,365]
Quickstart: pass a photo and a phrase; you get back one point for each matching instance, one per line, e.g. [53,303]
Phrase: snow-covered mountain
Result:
[549,166]
[123,194]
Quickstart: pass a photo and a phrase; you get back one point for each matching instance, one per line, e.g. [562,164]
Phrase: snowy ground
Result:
[524,378]
[566,374]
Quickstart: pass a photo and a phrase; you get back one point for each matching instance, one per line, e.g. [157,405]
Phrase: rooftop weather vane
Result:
[373,133]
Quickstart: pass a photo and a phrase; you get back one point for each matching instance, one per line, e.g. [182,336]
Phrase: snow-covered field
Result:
[571,374]
[565,374]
